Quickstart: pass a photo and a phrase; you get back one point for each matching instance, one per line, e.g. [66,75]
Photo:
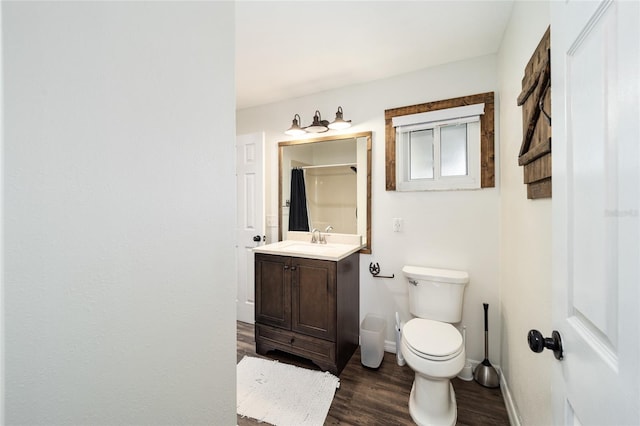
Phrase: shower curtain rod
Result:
[327,165]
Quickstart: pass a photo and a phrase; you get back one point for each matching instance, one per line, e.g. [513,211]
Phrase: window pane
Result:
[453,150]
[421,154]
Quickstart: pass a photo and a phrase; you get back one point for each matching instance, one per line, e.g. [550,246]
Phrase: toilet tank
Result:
[436,294]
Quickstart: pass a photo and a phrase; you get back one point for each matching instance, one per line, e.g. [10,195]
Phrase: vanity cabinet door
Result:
[313,300]
[273,290]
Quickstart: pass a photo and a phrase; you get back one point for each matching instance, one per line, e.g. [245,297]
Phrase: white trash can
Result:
[372,332]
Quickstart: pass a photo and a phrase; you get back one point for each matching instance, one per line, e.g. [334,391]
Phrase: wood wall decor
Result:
[535,99]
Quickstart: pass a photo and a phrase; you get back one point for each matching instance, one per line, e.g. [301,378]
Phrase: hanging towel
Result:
[298,216]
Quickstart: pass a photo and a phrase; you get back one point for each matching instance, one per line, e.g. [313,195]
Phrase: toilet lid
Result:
[432,338]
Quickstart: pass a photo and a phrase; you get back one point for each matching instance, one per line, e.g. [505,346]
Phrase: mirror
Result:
[337,181]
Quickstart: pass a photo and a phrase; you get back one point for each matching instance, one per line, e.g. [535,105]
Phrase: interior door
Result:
[250,222]
[596,257]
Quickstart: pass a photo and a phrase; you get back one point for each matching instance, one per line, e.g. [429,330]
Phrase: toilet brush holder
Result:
[485,373]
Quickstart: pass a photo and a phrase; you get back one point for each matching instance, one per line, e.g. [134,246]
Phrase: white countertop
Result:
[299,244]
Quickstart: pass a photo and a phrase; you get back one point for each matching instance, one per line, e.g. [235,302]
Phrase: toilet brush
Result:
[485,374]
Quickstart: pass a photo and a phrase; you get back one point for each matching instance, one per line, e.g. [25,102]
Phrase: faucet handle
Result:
[313,236]
[328,228]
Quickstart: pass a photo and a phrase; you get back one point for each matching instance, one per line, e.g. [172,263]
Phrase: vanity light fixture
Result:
[339,123]
[319,125]
[295,129]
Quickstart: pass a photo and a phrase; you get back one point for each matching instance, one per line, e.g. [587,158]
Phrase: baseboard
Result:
[512,411]
[390,346]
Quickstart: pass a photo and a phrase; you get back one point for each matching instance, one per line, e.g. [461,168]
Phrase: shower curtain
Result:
[298,216]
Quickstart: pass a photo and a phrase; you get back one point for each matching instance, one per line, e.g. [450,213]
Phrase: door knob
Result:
[537,342]
[258,238]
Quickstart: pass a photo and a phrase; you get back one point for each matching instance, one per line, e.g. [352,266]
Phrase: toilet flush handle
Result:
[414,282]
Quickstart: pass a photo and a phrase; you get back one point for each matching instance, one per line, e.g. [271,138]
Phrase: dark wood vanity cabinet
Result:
[308,307]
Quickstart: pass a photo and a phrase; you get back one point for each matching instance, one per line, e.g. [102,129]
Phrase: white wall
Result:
[119,298]
[525,228]
[457,229]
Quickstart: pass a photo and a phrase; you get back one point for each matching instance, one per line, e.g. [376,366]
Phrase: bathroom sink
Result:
[300,248]
[316,248]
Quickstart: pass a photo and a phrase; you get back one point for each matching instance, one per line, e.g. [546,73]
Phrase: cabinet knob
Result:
[293,268]
[292,340]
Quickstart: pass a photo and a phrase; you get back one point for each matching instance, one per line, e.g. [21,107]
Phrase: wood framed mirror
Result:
[337,172]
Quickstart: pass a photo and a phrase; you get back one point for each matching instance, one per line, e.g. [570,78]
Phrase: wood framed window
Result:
[487,144]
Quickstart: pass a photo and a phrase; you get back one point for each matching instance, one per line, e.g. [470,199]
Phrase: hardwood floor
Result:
[380,397]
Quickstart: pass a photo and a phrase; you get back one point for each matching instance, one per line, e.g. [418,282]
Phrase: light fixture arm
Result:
[295,129]
[340,123]
[319,125]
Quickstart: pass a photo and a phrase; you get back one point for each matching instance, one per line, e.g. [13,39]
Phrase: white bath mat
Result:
[282,394]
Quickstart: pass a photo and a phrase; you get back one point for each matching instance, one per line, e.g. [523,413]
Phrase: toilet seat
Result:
[433,340]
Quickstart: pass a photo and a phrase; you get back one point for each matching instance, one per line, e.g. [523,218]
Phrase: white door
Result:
[596,188]
[251,220]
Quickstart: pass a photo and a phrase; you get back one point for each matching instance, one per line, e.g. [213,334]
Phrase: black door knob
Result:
[257,238]
[537,342]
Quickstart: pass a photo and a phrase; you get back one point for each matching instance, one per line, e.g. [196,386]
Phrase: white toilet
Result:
[431,346]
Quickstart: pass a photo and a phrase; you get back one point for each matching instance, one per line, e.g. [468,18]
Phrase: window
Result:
[447,144]
[439,150]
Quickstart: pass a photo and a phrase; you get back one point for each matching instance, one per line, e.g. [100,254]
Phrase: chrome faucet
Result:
[315,240]
[323,239]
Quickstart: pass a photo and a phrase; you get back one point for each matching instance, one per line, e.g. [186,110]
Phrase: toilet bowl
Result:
[435,352]
[431,346]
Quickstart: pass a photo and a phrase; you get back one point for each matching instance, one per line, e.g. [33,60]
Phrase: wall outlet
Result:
[397,224]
